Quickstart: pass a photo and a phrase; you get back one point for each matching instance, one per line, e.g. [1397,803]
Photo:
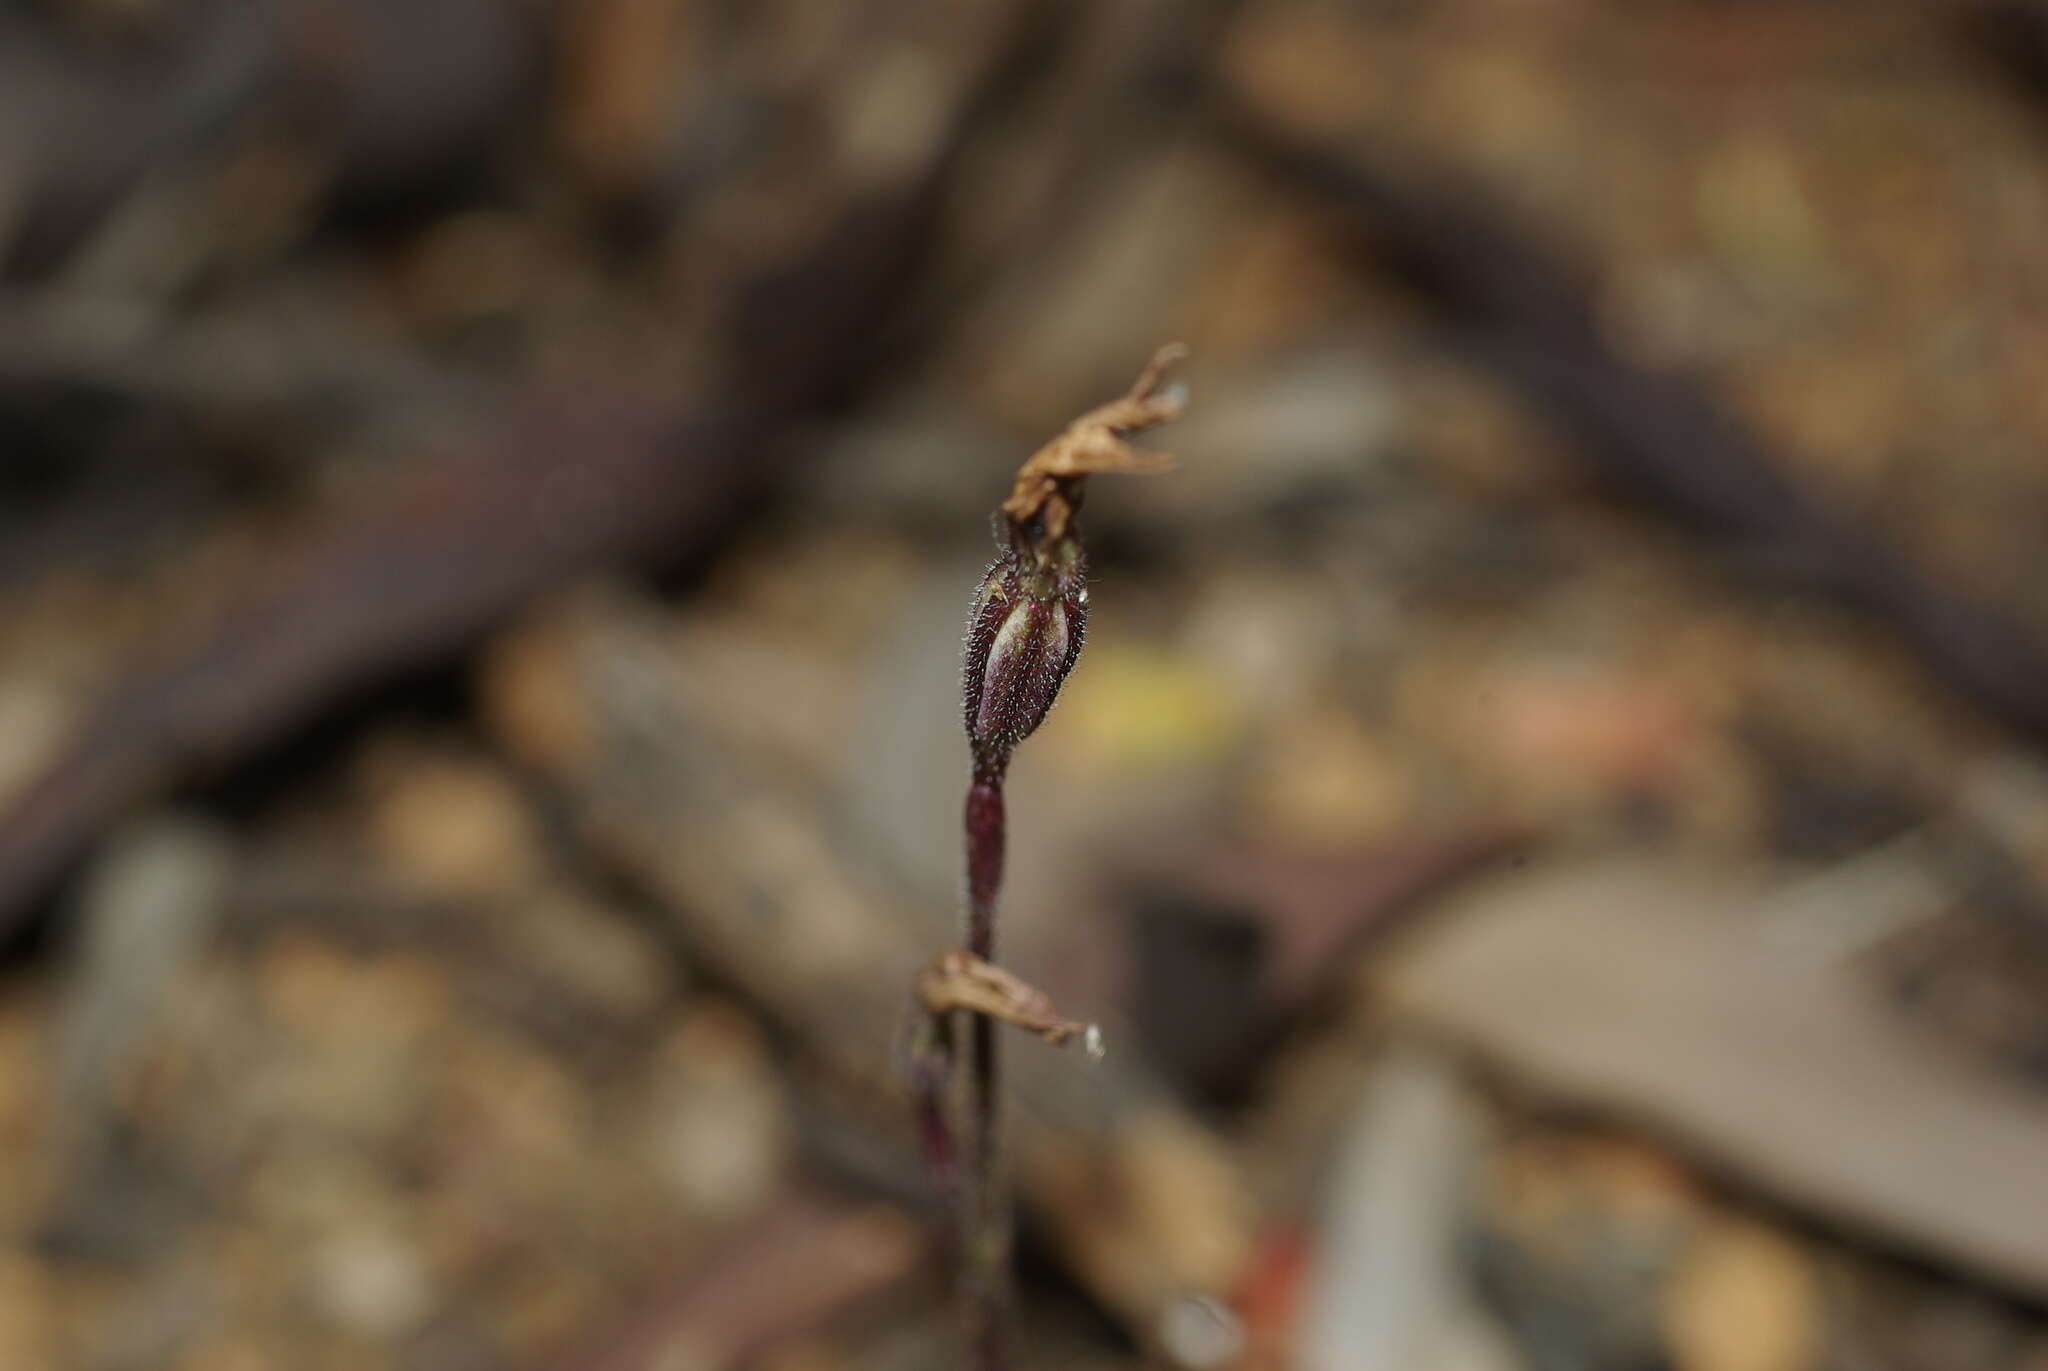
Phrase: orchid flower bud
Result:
[1022,639]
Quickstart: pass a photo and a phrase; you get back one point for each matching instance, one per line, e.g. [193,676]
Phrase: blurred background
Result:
[1551,819]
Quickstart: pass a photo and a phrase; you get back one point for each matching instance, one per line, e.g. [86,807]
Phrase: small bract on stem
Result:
[1024,633]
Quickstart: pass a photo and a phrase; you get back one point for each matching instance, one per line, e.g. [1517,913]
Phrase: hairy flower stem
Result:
[1023,636]
[988,1238]
[985,839]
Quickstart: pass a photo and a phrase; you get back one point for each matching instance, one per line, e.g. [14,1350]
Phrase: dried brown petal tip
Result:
[1047,489]
[959,981]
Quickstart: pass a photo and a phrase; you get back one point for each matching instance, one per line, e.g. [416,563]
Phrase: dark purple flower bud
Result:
[1022,640]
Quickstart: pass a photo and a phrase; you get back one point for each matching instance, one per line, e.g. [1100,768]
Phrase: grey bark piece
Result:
[149,903]
[1671,993]
[149,906]
[1390,1293]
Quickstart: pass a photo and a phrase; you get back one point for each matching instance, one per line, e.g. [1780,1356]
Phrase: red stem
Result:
[987,1217]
